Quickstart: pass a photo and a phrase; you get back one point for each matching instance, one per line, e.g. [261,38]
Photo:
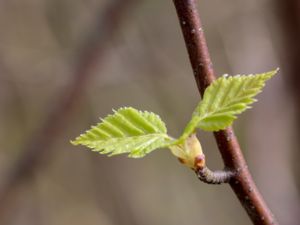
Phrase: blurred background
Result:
[65,63]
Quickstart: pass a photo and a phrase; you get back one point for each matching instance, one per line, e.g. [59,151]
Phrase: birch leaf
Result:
[225,98]
[126,131]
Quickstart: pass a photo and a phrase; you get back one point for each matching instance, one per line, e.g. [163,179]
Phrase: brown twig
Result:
[242,182]
[37,152]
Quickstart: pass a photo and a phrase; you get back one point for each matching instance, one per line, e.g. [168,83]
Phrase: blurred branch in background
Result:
[18,104]
[37,151]
[289,19]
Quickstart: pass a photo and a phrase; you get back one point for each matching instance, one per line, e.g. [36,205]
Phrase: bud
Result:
[190,153]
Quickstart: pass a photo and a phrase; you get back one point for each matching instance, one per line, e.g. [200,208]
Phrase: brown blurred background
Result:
[65,63]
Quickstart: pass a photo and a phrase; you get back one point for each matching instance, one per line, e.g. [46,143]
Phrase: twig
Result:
[242,182]
[37,152]
[214,177]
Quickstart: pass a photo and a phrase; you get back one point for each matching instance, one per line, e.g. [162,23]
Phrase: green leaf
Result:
[126,131]
[224,99]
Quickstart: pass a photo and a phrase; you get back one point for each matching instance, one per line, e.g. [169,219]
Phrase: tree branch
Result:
[37,152]
[242,182]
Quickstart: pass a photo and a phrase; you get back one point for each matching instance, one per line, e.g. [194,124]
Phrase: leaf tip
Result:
[74,142]
[275,71]
[271,73]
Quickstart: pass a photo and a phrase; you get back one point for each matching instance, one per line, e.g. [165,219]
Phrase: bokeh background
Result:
[65,63]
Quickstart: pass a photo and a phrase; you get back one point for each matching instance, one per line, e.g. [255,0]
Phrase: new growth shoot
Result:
[138,133]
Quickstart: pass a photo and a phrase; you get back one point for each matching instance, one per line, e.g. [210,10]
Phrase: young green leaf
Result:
[126,131]
[224,99]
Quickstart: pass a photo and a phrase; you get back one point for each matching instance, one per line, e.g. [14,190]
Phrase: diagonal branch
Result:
[242,182]
[37,152]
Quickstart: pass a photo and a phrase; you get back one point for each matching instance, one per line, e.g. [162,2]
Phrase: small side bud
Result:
[199,162]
